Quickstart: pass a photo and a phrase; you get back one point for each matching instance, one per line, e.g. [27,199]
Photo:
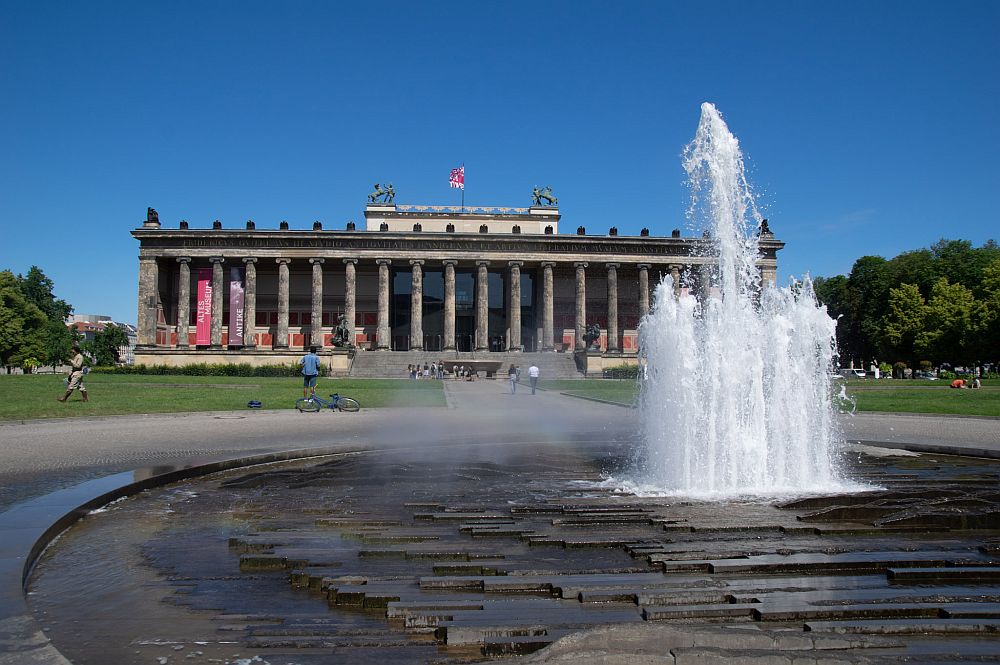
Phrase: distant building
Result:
[90,324]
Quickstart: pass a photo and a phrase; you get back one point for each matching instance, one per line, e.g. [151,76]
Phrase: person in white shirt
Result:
[533,377]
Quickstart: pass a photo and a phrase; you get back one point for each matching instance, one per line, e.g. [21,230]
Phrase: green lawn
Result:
[615,391]
[898,396]
[985,402]
[29,397]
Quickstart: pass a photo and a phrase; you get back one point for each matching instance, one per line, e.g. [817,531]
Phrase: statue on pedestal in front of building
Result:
[592,337]
[543,197]
[387,194]
[341,333]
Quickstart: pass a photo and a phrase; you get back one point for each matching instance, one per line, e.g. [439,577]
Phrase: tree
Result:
[834,292]
[986,326]
[21,323]
[105,349]
[903,323]
[868,284]
[916,267]
[962,263]
[37,288]
[58,339]
[948,328]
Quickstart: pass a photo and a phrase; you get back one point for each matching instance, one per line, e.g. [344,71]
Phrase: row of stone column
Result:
[148,290]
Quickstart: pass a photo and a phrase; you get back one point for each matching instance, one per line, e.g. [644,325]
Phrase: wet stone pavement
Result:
[450,555]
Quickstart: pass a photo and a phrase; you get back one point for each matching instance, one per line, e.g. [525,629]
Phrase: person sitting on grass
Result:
[310,371]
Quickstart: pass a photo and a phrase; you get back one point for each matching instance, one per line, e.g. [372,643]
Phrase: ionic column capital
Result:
[284,262]
[580,264]
[548,264]
[643,266]
[675,266]
[183,259]
[350,260]
[450,262]
[249,259]
[216,259]
[515,264]
[611,266]
[317,260]
[384,262]
[416,262]
[482,262]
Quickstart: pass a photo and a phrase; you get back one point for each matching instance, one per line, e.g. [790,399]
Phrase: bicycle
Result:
[315,403]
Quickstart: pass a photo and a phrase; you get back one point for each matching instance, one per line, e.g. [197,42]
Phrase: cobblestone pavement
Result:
[42,456]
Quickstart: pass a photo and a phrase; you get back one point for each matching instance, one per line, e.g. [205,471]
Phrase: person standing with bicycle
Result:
[310,371]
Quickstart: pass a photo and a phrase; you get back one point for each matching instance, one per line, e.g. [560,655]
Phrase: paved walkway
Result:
[43,456]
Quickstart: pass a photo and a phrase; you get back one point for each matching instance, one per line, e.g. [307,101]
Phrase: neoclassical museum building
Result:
[468,282]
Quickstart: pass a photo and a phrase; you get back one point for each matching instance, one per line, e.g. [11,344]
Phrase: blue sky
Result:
[869,127]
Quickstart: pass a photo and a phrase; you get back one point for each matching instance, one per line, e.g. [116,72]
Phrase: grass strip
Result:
[935,397]
[33,397]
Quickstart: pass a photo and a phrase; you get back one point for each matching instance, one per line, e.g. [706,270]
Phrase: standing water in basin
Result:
[737,396]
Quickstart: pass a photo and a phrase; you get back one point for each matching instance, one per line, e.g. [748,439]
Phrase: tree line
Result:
[33,330]
[922,309]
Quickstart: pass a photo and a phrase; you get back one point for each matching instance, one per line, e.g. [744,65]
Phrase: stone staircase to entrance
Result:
[392,364]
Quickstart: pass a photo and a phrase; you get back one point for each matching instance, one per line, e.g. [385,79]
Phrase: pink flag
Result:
[203,320]
[457,179]
[236,306]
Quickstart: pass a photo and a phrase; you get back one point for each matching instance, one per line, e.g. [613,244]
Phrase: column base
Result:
[381,348]
[448,348]
[184,347]
[482,348]
[417,348]
[215,347]
[279,347]
[548,349]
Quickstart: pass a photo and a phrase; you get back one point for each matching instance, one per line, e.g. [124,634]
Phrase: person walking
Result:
[533,377]
[310,371]
[75,375]
[512,375]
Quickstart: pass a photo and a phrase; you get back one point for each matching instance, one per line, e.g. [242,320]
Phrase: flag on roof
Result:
[457,178]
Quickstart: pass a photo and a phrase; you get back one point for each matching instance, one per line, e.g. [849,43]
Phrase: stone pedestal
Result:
[449,305]
[382,332]
[316,315]
[612,307]
[416,305]
[514,318]
[643,289]
[281,334]
[482,306]
[548,342]
[148,301]
[183,300]
[250,304]
[675,276]
[350,299]
[217,295]
[581,304]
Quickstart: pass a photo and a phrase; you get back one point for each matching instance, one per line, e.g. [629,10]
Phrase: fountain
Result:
[737,397]
[493,545]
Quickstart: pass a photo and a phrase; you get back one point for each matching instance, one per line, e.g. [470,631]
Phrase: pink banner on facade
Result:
[235,306]
[203,329]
